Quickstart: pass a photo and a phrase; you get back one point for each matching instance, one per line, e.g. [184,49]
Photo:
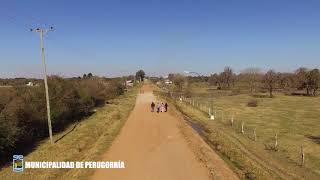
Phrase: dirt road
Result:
[161,146]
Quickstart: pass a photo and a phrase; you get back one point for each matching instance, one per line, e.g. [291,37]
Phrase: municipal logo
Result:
[17,163]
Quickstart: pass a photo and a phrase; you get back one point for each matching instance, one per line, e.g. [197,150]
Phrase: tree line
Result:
[23,119]
[254,80]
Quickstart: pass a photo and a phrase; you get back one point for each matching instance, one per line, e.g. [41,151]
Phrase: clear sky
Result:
[114,37]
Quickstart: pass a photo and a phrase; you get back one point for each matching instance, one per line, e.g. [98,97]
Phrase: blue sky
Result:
[118,37]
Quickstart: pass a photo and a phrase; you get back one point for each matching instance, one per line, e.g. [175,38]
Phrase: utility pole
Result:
[42,31]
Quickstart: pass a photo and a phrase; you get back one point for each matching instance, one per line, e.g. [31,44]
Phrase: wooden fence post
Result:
[276,141]
[302,156]
[255,134]
[232,121]
[242,127]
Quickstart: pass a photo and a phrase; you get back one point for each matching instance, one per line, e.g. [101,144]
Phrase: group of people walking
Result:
[159,107]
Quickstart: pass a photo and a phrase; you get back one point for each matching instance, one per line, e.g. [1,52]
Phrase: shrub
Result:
[23,113]
[252,103]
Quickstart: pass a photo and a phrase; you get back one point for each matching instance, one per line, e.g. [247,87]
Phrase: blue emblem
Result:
[17,163]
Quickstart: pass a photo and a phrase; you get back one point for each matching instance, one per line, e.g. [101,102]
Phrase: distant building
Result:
[30,84]
[167,81]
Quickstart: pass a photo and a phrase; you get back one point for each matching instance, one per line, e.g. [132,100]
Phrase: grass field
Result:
[82,141]
[295,120]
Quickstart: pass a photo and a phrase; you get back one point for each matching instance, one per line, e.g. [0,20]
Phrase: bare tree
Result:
[285,80]
[252,76]
[312,81]
[227,76]
[214,79]
[270,80]
[171,77]
[179,80]
[301,75]
[307,79]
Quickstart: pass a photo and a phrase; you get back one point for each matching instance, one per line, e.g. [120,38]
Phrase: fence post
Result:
[255,134]
[232,121]
[242,127]
[276,141]
[302,156]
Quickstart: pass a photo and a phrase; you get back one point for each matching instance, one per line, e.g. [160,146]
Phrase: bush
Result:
[23,113]
[252,103]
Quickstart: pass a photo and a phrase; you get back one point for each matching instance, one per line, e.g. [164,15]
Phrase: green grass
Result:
[85,141]
[295,120]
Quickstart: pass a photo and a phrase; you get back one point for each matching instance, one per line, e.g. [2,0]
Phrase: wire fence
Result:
[271,140]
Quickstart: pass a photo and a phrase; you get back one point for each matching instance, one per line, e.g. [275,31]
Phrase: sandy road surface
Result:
[153,147]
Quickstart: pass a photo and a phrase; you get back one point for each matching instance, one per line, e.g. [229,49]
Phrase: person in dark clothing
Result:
[152,106]
[166,107]
[158,107]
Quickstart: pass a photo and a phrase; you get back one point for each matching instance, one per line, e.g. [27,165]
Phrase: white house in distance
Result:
[167,81]
[30,84]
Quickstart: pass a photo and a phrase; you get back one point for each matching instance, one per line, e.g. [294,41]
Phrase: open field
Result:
[83,141]
[295,120]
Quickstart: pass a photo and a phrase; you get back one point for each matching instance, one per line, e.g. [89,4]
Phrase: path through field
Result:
[153,147]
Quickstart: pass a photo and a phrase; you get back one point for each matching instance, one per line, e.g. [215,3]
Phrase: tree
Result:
[252,76]
[270,80]
[214,79]
[179,80]
[301,75]
[171,77]
[140,75]
[84,76]
[285,80]
[312,81]
[130,77]
[89,75]
[227,76]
